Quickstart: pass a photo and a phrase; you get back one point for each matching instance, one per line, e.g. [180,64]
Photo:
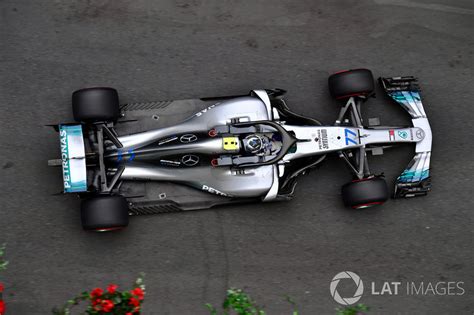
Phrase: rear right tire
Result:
[104,213]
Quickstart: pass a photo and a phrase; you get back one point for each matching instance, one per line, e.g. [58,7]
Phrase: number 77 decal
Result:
[350,136]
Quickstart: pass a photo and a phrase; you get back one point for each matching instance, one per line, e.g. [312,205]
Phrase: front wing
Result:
[415,180]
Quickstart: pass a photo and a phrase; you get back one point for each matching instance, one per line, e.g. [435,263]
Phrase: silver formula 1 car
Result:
[144,158]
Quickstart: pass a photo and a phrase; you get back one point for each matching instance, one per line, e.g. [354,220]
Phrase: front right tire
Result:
[365,193]
[104,213]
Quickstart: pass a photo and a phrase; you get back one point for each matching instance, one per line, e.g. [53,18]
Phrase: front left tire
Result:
[351,83]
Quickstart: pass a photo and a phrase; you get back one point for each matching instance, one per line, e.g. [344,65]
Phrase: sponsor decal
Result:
[73,158]
[402,134]
[391,135]
[170,162]
[188,138]
[166,140]
[213,191]
[205,110]
[65,158]
[420,134]
[323,137]
[190,159]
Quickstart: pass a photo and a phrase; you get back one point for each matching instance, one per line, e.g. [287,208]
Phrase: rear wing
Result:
[415,180]
[73,158]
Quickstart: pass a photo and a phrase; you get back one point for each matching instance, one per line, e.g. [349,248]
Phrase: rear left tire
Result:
[95,105]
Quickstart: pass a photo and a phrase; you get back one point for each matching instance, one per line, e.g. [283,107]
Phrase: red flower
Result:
[96,302]
[138,292]
[1,287]
[97,292]
[112,288]
[134,302]
[107,305]
[2,307]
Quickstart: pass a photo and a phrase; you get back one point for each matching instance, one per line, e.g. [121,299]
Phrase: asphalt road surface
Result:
[159,50]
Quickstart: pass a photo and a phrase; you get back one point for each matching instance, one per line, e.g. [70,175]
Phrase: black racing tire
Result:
[95,104]
[365,193]
[104,213]
[348,83]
